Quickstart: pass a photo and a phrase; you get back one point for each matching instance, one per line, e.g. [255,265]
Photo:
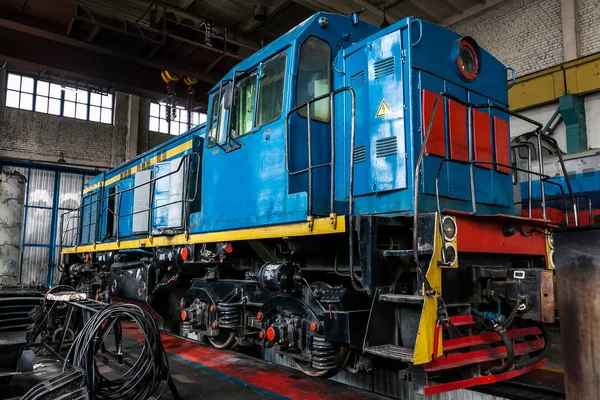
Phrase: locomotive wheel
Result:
[225,340]
[57,334]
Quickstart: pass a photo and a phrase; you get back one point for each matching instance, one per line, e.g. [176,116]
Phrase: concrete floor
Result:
[201,372]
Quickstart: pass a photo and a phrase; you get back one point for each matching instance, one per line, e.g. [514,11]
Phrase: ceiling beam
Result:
[471,11]
[272,9]
[185,4]
[390,3]
[37,54]
[369,6]
[455,9]
[378,11]
[423,11]
[314,5]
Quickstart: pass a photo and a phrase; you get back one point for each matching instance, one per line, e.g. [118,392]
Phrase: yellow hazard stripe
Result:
[142,166]
[322,226]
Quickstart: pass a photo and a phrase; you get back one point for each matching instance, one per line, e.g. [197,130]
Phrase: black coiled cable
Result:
[143,378]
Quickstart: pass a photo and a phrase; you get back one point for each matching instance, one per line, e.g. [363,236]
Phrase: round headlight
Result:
[467,61]
[551,241]
[450,253]
[551,257]
[449,227]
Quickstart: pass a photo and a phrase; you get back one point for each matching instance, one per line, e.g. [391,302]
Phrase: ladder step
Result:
[407,299]
[404,253]
[391,351]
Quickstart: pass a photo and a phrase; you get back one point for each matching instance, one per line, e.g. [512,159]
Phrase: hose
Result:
[142,380]
[540,354]
[510,354]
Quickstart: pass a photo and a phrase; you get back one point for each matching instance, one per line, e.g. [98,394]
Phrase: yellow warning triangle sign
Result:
[383,109]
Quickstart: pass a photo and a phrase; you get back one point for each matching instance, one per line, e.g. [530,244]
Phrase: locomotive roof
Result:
[288,38]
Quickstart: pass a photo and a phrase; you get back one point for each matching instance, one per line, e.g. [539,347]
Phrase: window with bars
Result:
[29,93]
[158,121]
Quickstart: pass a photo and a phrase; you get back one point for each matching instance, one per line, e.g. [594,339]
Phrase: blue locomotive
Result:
[348,203]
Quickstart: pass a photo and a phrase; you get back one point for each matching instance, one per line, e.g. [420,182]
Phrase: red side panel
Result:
[483,145]
[436,144]
[477,236]
[502,144]
[458,131]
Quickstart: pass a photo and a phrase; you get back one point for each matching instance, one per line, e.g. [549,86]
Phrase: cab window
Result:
[217,127]
[270,90]
[314,77]
[246,92]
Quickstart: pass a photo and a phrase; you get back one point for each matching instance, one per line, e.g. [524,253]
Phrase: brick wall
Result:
[33,136]
[527,35]
[524,34]
[589,20]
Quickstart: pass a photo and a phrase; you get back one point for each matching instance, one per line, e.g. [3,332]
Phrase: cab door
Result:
[245,161]
[313,79]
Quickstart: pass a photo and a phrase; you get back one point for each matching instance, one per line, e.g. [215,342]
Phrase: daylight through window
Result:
[28,93]
[159,123]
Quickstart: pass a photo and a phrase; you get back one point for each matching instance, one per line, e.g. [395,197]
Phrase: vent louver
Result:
[360,154]
[384,67]
[386,147]
[358,80]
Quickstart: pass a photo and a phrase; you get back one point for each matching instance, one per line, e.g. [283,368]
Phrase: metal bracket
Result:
[333,218]
[311,222]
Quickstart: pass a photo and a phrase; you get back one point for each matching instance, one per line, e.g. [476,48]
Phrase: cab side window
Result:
[216,121]
[270,90]
[246,92]
[314,77]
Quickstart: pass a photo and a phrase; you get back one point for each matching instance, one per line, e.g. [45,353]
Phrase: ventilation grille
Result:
[386,147]
[358,80]
[384,67]
[360,154]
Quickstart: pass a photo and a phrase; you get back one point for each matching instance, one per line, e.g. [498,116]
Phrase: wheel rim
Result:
[225,340]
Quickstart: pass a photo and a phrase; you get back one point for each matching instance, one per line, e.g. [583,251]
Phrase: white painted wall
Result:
[544,113]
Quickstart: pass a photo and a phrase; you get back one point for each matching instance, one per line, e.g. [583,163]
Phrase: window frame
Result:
[179,123]
[217,100]
[300,112]
[63,88]
[260,77]
[249,76]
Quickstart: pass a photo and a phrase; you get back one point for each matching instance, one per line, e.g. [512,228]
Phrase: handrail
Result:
[529,180]
[331,95]
[492,163]
[472,162]
[186,199]
[331,164]
[554,144]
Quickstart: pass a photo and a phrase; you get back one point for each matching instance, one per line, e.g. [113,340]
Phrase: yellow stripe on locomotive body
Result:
[175,151]
[321,226]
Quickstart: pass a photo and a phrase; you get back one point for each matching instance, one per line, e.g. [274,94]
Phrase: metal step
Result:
[407,299]
[391,351]
[404,253]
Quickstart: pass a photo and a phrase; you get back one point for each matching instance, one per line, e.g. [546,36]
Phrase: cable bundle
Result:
[143,378]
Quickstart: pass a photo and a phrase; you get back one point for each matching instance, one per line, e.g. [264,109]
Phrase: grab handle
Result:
[514,76]
[418,21]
